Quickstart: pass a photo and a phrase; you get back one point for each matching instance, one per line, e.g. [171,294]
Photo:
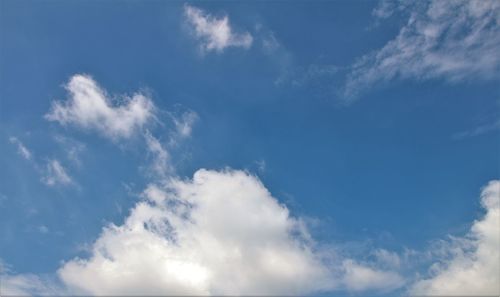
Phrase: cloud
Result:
[27,285]
[72,148]
[480,130]
[56,174]
[161,158]
[12,284]
[471,265]
[220,233]
[214,34]
[184,123]
[387,258]
[43,229]
[359,277]
[450,40]
[90,108]
[21,149]
[261,165]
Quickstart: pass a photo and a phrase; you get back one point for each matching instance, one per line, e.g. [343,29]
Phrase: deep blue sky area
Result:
[387,168]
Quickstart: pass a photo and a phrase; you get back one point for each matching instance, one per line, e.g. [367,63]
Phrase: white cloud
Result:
[215,34]
[12,284]
[21,149]
[451,40]
[27,285]
[89,107]
[472,265]
[387,258]
[184,124]
[161,158]
[358,277]
[56,174]
[221,233]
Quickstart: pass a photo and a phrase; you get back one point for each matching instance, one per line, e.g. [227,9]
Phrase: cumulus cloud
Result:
[214,34]
[89,107]
[471,265]
[21,149]
[450,40]
[55,174]
[220,233]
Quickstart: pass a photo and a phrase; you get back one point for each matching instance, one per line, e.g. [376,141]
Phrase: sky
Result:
[322,148]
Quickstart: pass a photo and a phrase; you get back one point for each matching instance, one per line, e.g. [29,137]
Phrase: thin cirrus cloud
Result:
[55,174]
[160,156]
[21,148]
[89,107]
[450,40]
[214,34]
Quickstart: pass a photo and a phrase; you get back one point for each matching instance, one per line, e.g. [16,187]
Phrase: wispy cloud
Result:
[13,284]
[43,229]
[480,130]
[72,148]
[161,158]
[184,125]
[89,107]
[55,174]
[450,40]
[358,277]
[21,148]
[214,34]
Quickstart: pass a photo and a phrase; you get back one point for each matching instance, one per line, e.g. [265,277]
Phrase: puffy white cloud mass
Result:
[453,40]
[56,174]
[89,107]
[215,34]
[220,233]
[472,265]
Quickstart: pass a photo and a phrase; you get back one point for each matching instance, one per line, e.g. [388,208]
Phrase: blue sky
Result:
[373,125]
